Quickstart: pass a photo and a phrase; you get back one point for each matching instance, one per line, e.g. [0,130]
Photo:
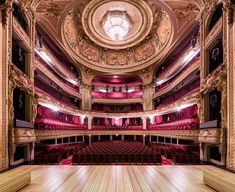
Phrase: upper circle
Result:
[134,22]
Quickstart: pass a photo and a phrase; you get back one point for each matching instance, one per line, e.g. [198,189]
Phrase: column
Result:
[148,97]
[98,137]
[32,146]
[90,139]
[56,141]
[89,122]
[134,137]
[229,49]
[122,137]
[201,145]
[86,97]
[150,139]
[5,39]
[83,138]
[144,122]
[144,139]
[111,137]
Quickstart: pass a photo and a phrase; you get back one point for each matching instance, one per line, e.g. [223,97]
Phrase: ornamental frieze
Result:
[23,135]
[88,51]
[21,80]
[116,58]
[217,79]
[212,135]
[144,51]
[184,134]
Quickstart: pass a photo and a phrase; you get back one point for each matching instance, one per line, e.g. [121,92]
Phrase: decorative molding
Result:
[23,135]
[88,53]
[5,9]
[212,135]
[115,101]
[182,134]
[186,13]
[217,79]
[21,80]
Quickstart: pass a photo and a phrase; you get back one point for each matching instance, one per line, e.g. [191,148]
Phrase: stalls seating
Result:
[117,152]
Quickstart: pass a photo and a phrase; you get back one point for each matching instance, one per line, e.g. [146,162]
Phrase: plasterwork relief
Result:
[184,134]
[101,58]
[23,135]
[230,52]
[187,12]
[5,49]
[213,135]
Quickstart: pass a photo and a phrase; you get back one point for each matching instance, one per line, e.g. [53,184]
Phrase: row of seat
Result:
[177,155]
[190,123]
[55,155]
[50,124]
[117,152]
[124,127]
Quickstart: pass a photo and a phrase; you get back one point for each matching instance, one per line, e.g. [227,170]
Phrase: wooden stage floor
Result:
[117,178]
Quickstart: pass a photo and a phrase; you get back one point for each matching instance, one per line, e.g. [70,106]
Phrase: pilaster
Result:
[5,38]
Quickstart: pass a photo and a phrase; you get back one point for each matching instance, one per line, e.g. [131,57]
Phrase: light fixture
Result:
[191,55]
[160,82]
[103,90]
[130,90]
[73,81]
[50,106]
[45,56]
[116,24]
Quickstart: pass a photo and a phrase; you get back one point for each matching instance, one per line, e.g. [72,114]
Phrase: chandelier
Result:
[116,24]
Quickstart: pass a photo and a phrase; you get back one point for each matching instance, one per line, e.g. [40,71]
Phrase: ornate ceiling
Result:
[155,27]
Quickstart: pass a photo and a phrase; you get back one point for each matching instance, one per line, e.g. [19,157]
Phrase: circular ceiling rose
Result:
[118,36]
[136,15]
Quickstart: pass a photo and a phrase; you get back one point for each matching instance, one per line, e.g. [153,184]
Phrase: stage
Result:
[129,178]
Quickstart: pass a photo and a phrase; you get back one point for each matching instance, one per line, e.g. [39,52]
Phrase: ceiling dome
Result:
[110,35]
[133,19]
